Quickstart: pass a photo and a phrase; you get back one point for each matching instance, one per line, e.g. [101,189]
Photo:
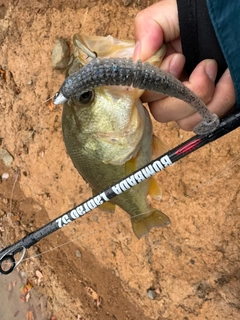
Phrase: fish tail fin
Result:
[141,226]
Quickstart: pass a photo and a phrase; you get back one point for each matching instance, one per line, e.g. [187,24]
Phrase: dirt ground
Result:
[95,268]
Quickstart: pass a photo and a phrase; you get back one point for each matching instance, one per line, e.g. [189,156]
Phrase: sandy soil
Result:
[96,268]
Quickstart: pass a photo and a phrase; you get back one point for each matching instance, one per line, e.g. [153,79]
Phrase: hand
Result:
[158,24]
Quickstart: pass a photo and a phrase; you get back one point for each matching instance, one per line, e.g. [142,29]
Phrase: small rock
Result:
[5,176]
[95,217]
[151,294]
[127,2]
[78,253]
[28,296]
[60,54]
[5,157]
[39,276]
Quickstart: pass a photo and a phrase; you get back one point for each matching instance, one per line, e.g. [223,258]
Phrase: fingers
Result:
[219,99]
[153,26]
[222,102]
[224,96]
[157,24]
[172,64]
[201,82]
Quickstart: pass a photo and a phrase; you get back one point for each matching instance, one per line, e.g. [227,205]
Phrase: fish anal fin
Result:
[106,206]
[159,147]
[154,219]
[154,190]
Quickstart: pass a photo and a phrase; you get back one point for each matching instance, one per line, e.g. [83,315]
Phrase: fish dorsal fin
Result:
[141,226]
[159,147]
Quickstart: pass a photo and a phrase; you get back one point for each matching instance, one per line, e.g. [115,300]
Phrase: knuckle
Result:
[186,125]
[204,91]
[139,17]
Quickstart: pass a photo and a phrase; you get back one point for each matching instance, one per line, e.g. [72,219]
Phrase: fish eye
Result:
[86,97]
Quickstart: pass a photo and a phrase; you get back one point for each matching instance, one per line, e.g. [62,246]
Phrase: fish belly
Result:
[100,175]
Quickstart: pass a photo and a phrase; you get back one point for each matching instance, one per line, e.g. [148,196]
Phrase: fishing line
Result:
[232,163]
[200,186]
[79,237]
[46,100]
[12,191]
[228,124]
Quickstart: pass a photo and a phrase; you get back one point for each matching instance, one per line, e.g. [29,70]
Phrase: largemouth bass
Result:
[108,134]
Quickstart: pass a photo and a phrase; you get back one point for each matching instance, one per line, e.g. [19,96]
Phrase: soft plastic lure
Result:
[125,72]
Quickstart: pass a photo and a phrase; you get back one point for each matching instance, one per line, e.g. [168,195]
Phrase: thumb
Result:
[149,38]
[153,26]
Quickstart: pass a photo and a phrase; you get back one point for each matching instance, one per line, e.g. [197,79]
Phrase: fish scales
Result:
[108,132]
[100,176]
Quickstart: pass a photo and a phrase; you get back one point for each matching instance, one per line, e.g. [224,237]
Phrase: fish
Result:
[108,134]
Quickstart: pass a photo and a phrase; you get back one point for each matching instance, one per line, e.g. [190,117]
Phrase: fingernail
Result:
[176,65]
[137,51]
[211,69]
[227,73]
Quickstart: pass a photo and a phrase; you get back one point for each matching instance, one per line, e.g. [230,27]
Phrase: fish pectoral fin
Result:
[154,190]
[155,218]
[131,165]
[106,206]
[159,147]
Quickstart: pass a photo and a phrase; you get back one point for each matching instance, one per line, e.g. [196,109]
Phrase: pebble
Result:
[78,253]
[151,294]
[95,217]
[60,54]
[5,176]
[6,157]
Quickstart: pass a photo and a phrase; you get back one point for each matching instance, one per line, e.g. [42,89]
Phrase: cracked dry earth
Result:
[95,268]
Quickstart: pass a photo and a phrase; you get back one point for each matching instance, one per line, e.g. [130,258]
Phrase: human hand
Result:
[156,25]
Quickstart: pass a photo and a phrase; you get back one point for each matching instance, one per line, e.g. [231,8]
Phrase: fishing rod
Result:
[7,260]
